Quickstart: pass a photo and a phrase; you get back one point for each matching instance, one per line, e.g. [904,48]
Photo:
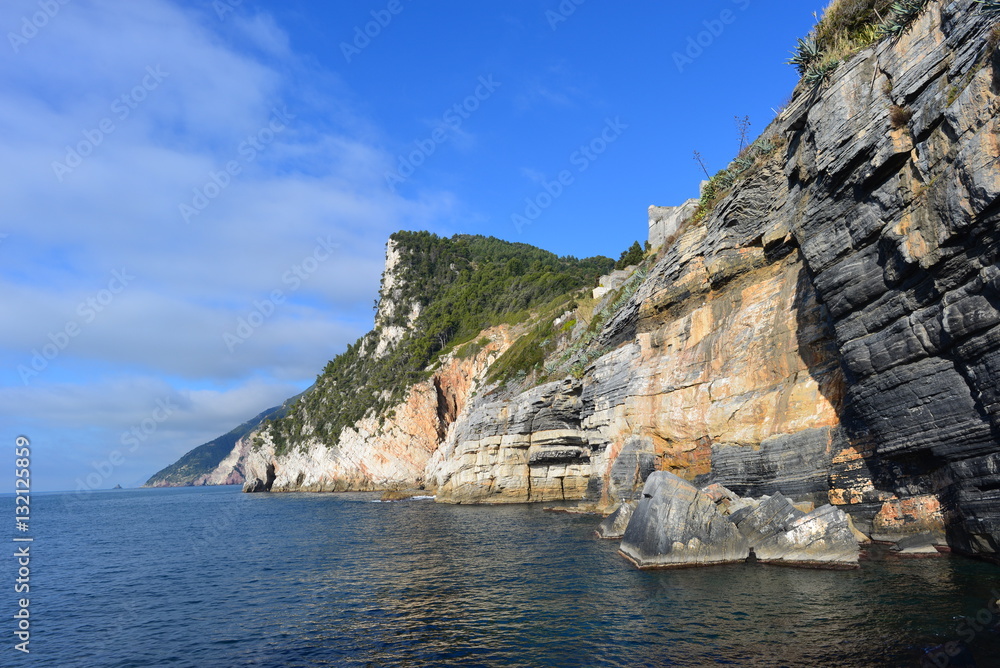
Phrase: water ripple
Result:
[211,577]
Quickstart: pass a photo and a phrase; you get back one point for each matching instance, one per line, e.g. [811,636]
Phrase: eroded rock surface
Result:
[830,331]
[675,524]
[613,526]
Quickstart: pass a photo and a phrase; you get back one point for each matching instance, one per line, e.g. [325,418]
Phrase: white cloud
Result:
[264,33]
[84,426]
[161,99]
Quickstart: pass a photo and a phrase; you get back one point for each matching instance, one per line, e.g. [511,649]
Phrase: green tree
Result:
[633,255]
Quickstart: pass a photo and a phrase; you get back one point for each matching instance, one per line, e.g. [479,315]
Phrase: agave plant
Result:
[742,163]
[819,73]
[900,15]
[908,9]
[725,179]
[806,53]
[764,146]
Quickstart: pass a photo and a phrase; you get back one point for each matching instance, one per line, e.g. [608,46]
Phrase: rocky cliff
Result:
[826,326]
[217,462]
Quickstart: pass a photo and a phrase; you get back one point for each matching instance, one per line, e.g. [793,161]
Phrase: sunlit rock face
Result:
[829,330]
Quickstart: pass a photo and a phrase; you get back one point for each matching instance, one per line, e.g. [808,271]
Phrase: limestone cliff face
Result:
[391,302]
[230,470]
[830,330]
[379,452]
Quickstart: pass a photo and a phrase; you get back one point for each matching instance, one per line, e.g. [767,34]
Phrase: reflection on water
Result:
[211,577]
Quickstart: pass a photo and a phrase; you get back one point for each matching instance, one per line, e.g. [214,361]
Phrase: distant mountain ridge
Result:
[195,467]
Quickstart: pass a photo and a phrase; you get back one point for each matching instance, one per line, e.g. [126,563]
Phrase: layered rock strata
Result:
[830,330]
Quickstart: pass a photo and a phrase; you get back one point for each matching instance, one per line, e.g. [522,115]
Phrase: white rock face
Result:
[664,221]
[390,335]
[526,448]
[228,472]
[390,281]
[612,281]
[377,454]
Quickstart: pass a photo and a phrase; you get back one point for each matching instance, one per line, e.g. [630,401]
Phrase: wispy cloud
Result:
[556,86]
[83,86]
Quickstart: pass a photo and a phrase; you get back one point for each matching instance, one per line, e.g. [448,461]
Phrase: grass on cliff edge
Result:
[847,27]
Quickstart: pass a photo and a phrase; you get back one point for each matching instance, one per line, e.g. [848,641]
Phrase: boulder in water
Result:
[675,524]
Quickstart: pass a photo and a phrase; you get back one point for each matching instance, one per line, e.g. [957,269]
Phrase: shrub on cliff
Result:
[460,285]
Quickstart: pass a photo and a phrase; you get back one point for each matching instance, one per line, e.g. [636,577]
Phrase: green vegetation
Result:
[472,348]
[461,286]
[806,54]
[850,25]
[901,14]
[847,27]
[634,255]
[527,355]
[203,459]
[719,185]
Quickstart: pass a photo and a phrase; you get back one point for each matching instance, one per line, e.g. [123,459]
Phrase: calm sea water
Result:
[213,577]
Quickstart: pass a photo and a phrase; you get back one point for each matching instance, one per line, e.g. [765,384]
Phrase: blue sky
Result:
[196,195]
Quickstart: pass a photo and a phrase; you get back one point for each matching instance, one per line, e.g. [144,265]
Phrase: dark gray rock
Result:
[674,524]
[820,538]
[798,464]
[614,525]
[899,231]
[631,468]
[558,455]
[771,517]
[254,486]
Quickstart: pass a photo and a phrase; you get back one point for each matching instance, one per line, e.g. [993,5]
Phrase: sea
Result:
[211,577]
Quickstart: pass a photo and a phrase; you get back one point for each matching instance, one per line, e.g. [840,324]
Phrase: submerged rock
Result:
[675,524]
[920,545]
